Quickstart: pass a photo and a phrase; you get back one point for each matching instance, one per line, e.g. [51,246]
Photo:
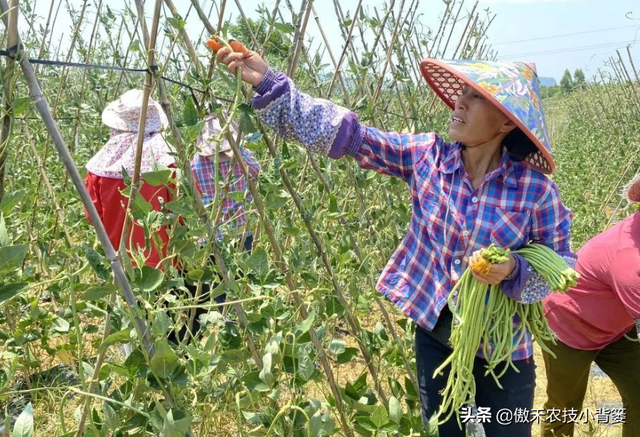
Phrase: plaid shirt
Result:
[513,206]
[232,210]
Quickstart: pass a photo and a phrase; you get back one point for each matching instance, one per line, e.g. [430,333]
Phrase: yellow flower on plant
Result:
[489,87]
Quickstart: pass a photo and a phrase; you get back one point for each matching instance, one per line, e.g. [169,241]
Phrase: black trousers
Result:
[432,350]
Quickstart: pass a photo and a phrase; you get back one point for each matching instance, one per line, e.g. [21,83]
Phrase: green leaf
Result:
[238,196]
[354,390]
[8,291]
[395,409]
[161,324]
[157,177]
[176,424]
[9,200]
[20,105]
[410,389]
[191,132]
[348,355]
[24,423]
[265,374]
[306,366]
[139,205]
[379,417]
[95,261]
[189,112]
[135,422]
[118,337]
[246,123]
[337,347]
[60,325]
[284,27]
[134,46]
[164,361]
[390,426]
[180,206]
[12,256]
[258,261]
[333,203]
[366,423]
[304,326]
[253,137]
[111,420]
[150,279]
[4,235]
[97,293]
[178,23]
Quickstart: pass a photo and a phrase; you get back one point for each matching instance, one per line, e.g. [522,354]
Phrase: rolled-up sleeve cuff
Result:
[267,82]
[348,138]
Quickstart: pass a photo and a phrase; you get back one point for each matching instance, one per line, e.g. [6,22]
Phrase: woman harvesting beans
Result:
[487,186]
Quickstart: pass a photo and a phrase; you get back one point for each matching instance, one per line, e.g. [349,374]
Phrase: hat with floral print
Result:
[206,141]
[632,190]
[124,113]
[513,87]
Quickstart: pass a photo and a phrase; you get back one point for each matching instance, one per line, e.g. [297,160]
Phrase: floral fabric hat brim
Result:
[124,114]
[512,86]
[205,142]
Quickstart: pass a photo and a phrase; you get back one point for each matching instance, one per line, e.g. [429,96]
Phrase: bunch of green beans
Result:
[486,320]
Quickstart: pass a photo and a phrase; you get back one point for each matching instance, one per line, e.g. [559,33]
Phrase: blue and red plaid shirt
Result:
[233,211]
[514,204]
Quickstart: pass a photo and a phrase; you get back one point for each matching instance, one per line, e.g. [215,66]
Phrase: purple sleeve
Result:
[328,129]
[551,221]
[320,125]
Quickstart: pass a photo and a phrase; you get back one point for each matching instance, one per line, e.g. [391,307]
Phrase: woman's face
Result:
[476,121]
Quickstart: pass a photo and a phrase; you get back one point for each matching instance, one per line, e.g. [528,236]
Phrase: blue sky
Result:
[559,34]
[519,20]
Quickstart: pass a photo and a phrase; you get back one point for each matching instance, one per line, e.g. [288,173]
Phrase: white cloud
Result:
[521,2]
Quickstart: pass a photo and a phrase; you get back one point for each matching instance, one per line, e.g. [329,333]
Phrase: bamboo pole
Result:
[299,36]
[345,90]
[45,32]
[8,88]
[344,50]
[150,43]
[389,55]
[453,26]
[86,71]
[633,67]
[55,19]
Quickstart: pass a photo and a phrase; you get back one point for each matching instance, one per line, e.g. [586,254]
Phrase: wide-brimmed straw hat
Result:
[206,141]
[124,114]
[513,87]
[632,190]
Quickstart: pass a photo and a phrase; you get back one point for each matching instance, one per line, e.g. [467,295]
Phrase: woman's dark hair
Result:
[518,145]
